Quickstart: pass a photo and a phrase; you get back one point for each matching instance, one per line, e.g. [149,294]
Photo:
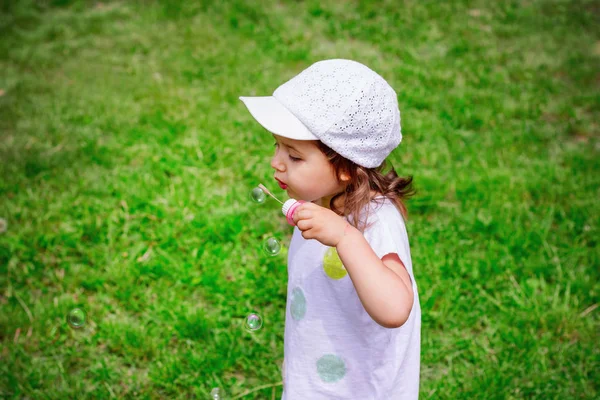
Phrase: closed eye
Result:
[294,159]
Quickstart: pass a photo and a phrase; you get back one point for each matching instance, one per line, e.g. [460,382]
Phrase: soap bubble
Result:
[257,195]
[217,394]
[253,322]
[271,246]
[76,318]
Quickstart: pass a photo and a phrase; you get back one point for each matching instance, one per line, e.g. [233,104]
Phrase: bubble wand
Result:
[264,189]
[288,208]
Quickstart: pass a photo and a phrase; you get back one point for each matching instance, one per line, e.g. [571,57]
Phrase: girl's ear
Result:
[344,177]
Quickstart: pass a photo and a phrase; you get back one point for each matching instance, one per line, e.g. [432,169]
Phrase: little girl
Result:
[353,318]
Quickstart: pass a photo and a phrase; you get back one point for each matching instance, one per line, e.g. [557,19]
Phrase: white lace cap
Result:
[342,103]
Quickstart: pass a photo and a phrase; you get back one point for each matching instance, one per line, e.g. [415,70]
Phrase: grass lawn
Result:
[127,161]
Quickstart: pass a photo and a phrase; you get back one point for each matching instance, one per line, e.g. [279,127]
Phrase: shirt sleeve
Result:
[388,235]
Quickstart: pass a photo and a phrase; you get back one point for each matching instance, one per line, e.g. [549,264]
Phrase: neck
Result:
[326,201]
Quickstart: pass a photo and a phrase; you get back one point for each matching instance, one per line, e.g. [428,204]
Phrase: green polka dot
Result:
[333,265]
[331,368]
[298,304]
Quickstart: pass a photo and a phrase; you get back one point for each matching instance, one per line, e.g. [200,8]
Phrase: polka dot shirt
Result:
[333,349]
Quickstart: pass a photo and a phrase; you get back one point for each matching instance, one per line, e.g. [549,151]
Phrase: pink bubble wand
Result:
[288,208]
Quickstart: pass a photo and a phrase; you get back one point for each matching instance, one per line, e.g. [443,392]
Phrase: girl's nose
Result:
[277,164]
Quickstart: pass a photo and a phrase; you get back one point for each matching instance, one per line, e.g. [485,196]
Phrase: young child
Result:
[353,318]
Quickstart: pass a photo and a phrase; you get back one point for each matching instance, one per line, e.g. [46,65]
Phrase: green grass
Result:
[127,160]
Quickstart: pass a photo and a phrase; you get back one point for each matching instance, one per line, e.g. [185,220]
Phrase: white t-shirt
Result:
[333,349]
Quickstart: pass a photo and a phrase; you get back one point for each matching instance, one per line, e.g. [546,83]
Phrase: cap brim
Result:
[277,119]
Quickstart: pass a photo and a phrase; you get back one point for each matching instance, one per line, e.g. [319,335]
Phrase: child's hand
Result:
[320,223]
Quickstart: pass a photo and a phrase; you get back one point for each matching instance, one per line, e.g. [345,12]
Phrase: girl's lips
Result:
[281,184]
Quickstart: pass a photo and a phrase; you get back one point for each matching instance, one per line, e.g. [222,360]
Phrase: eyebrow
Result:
[291,147]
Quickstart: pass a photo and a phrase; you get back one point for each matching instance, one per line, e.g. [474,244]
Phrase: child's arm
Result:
[383,285]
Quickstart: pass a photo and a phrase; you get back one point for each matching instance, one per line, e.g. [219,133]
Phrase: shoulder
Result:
[384,222]
[386,232]
[384,213]
[378,214]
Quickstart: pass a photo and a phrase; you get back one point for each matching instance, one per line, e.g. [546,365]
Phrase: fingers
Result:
[307,235]
[303,218]
[304,225]
[302,214]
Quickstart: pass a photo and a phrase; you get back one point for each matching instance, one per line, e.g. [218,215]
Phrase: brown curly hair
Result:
[362,182]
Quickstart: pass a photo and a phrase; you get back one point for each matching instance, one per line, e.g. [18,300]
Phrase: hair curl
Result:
[362,182]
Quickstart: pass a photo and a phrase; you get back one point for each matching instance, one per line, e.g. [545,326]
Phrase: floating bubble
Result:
[257,195]
[217,394]
[253,322]
[271,246]
[3,225]
[76,318]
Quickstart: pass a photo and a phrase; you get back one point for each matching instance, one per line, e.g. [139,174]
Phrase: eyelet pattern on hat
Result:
[348,106]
